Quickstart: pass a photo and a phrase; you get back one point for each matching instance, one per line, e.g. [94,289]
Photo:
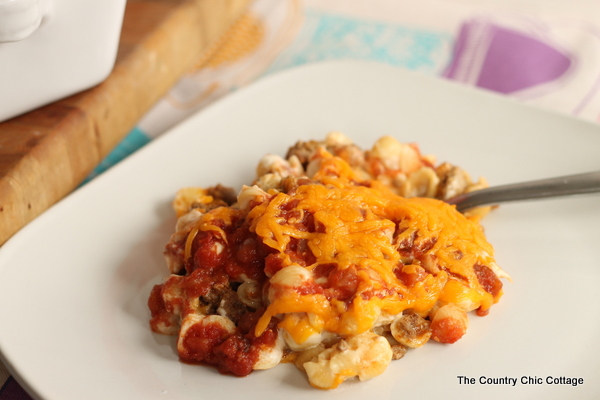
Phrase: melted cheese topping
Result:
[207,222]
[323,258]
[362,226]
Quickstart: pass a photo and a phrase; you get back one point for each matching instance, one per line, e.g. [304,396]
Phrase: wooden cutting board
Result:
[46,153]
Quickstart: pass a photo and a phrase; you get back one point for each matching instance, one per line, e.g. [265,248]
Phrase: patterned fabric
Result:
[510,61]
[326,36]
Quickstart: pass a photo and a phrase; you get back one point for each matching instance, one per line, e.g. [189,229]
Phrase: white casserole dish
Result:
[50,49]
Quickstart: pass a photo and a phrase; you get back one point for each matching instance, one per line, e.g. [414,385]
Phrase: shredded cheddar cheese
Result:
[353,225]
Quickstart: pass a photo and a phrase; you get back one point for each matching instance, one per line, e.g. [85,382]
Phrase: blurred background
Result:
[543,53]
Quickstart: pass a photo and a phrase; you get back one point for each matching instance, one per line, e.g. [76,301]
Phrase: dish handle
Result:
[20,18]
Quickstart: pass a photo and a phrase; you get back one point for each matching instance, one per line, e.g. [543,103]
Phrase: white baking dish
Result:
[50,49]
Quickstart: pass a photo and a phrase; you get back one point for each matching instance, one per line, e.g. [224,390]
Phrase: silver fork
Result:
[553,187]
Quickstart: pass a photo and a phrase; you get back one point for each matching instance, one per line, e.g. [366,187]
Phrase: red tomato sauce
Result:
[218,262]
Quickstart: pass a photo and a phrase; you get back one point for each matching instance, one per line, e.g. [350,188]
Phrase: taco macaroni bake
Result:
[336,259]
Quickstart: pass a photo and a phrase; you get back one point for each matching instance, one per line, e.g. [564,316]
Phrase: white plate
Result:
[74,283]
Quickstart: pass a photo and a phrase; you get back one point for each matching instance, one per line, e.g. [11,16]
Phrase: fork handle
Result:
[553,187]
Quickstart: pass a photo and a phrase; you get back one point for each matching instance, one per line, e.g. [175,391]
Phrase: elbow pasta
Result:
[335,258]
[364,356]
[449,323]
